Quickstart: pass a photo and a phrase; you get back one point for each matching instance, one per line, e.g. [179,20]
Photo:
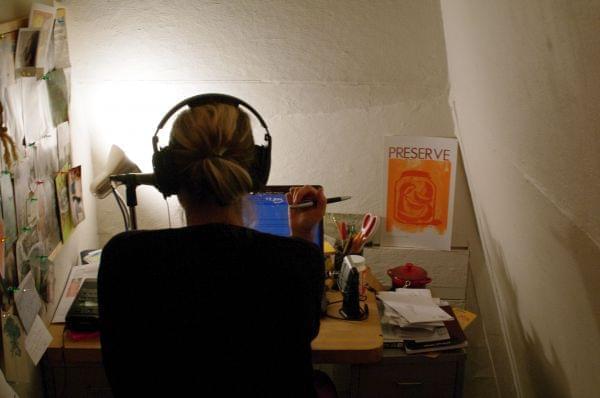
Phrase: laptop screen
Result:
[271,214]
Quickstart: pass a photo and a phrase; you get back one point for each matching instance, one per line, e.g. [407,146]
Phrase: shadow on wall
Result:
[545,378]
[586,254]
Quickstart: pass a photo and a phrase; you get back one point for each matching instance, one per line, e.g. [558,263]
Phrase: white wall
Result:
[525,86]
[331,79]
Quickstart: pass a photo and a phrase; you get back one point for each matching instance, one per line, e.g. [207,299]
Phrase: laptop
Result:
[271,213]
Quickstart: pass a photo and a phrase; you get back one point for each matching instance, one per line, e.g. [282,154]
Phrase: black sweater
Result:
[210,310]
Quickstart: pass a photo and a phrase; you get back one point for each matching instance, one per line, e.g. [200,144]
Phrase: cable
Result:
[121,204]
[168,212]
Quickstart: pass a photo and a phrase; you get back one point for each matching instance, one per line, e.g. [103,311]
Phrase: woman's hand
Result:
[304,220]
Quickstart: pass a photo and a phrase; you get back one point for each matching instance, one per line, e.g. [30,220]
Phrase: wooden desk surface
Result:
[338,341]
[354,342]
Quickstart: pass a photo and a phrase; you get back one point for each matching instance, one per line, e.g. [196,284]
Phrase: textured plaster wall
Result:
[330,78]
[525,87]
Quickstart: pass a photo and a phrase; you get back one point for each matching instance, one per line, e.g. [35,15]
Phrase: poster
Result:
[419,181]
[58,96]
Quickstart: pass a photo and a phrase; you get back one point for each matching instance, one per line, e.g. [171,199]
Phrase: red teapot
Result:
[408,275]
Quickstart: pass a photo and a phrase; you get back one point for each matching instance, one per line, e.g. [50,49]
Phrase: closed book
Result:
[457,338]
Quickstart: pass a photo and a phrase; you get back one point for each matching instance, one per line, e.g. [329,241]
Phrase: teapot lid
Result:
[409,272]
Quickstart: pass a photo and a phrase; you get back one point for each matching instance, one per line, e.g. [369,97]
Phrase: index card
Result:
[28,301]
[37,341]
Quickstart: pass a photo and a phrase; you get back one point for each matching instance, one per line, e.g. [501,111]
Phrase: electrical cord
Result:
[122,207]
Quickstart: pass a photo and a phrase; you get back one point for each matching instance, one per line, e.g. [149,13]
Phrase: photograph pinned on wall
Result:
[64,210]
[7,62]
[58,96]
[420,175]
[34,112]
[63,138]
[61,46]
[8,209]
[26,52]
[75,195]
[41,17]
[48,224]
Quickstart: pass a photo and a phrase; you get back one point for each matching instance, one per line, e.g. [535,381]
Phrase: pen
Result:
[311,203]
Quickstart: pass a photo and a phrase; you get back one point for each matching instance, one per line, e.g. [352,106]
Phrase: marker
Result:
[313,203]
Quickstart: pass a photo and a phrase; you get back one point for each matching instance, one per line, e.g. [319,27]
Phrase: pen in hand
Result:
[311,203]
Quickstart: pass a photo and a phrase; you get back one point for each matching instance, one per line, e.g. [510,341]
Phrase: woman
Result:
[214,308]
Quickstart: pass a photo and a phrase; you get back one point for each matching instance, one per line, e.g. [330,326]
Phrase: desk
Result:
[74,368]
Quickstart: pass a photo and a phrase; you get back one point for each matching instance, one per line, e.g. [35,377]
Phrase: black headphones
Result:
[165,174]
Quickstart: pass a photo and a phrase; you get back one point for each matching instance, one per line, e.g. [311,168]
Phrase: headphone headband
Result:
[212,98]
[163,159]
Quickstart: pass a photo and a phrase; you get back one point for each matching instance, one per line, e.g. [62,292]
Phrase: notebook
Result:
[270,213]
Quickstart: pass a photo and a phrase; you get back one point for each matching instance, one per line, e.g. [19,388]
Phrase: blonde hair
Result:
[213,152]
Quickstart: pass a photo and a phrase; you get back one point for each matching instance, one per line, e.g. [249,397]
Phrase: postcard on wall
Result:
[61,45]
[8,209]
[26,51]
[64,146]
[58,96]
[42,17]
[420,181]
[34,120]
[75,195]
[62,197]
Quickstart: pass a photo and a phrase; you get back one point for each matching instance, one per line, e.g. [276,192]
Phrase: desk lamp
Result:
[119,169]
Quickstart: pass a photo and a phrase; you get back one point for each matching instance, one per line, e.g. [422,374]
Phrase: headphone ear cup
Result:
[261,167]
[165,174]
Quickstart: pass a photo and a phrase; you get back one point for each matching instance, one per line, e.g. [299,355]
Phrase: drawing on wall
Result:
[62,197]
[75,195]
[27,43]
[420,191]
[12,330]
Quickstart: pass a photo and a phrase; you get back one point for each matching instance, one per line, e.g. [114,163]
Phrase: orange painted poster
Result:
[420,176]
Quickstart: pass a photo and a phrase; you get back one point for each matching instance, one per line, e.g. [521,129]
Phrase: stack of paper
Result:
[412,315]
[412,307]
